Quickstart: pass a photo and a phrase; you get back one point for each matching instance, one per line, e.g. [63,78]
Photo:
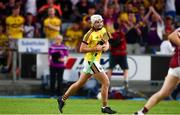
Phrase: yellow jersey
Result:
[15,26]
[51,33]
[74,37]
[3,41]
[92,38]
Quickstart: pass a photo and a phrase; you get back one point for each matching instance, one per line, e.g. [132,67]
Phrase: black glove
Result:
[101,42]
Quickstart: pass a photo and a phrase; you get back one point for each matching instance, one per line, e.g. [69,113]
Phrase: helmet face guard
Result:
[97,21]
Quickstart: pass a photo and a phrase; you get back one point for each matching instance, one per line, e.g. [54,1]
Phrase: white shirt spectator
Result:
[170,5]
[29,31]
[31,7]
[166,48]
[74,2]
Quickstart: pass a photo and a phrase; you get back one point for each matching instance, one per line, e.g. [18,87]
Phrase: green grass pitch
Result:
[80,106]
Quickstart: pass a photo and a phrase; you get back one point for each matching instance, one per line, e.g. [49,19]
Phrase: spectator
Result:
[118,53]
[153,39]
[29,27]
[86,18]
[2,10]
[169,25]
[143,26]
[50,4]
[170,8]
[166,47]
[132,6]
[110,15]
[177,4]
[52,25]
[81,9]
[133,34]
[67,10]
[5,57]
[129,7]
[31,7]
[15,24]
[74,2]
[74,36]
[43,13]
[14,29]
[57,53]
[158,5]
[9,5]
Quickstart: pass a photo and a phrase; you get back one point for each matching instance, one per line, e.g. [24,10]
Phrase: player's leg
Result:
[77,85]
[72,89]
[176,91]
[52,80]
[101,76]
[124,66]
[112,64]
[109,73]
[59,90]
[9,59]
[167,88]
[125,74]
[103,79]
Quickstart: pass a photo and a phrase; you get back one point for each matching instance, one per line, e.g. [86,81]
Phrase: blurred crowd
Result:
[145,23]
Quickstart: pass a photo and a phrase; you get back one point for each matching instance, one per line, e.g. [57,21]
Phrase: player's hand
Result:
[99,48]
[50,25]
[61,59]
[105,48]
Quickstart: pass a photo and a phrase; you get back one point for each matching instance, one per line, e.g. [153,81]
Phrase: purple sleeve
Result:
[49,50]
[66,53]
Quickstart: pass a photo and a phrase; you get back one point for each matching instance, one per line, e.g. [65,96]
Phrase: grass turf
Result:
[80,106]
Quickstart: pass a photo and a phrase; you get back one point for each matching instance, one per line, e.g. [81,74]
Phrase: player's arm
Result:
[105,46]
[21,28]
[22,24]
[7,30]
[106,37]
[175,37]
[84,48]
[84,44]
[53,27]
[7,27]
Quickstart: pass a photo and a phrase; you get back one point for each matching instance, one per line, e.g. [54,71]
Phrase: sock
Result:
[104,107]
[64,97]
[144,110]
[104,104]
[126,80]
[126,83]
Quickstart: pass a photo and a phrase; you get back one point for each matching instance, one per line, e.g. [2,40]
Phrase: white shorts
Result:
[174,71]
[95,67]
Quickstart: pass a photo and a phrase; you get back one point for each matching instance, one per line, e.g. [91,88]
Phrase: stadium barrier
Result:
[141,67]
